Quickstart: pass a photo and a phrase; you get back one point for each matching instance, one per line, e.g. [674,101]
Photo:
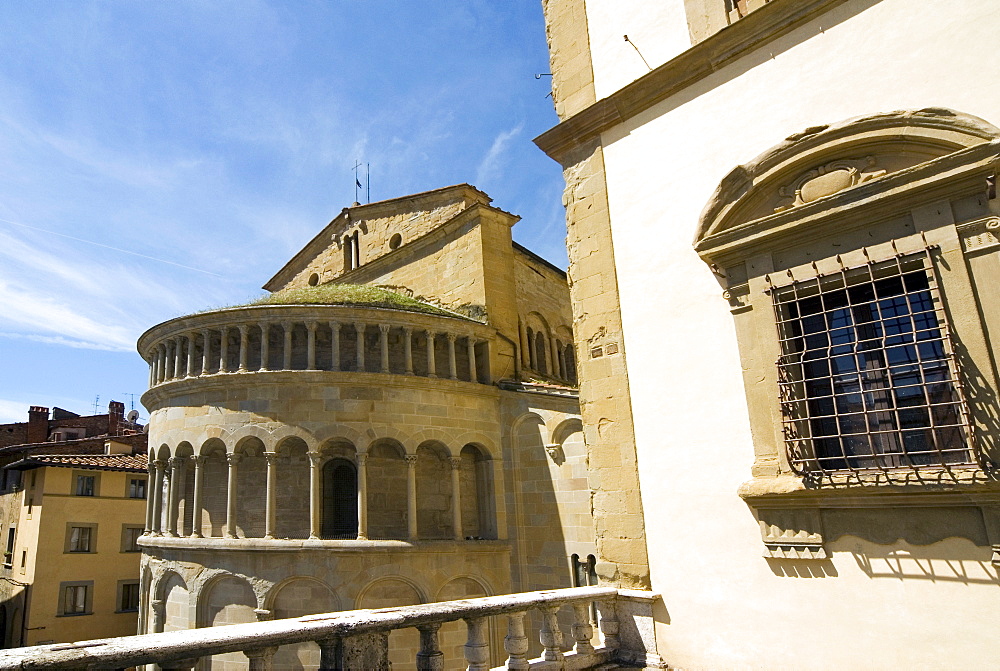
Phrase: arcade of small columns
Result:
[216,350]
[173,493]
[547,354]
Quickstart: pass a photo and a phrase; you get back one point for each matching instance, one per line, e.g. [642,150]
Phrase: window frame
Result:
[92,538]
[145,487]
[126,547]
[88,598]
[8,555]
[80,476]
[120,596]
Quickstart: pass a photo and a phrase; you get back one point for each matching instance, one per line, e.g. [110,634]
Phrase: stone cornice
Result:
[754,30]
[322,545]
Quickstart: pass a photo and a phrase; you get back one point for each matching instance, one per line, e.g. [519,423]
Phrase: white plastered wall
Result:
[657,29]
[726,608]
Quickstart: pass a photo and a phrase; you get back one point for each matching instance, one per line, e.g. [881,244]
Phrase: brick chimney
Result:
[116,417]
[38,424]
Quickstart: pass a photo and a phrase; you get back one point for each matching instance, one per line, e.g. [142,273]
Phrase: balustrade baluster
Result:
[516,643]
[550,636]
[179,665]
[582,630]
[477,647]
[329,654]
[609,624]
[260,658]
[430,657]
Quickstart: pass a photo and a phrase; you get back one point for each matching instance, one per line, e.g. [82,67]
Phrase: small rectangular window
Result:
[128,596]
[137,488]
[8,554]
[130,538]
[24,560]
[81,537]
[86,485]
[75,598]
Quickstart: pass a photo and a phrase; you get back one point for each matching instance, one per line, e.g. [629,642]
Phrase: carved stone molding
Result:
[980,235]
[738,297]
[827,180]
[795,533]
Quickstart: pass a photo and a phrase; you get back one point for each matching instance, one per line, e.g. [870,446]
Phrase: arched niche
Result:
[434,495]
[390,592]
[296,597]
[340,499]
[292,488]
[226,600]
[386,480]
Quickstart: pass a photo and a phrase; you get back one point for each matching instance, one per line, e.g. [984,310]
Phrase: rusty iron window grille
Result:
[868,379]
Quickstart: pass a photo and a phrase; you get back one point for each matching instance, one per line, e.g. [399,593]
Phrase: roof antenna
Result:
[97,403]
[357,182]
[637,51]
[368,179]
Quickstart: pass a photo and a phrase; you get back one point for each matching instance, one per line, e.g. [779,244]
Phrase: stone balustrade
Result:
[359,639]
[260,339]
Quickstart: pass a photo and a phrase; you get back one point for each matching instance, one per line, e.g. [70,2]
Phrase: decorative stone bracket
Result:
[792,533]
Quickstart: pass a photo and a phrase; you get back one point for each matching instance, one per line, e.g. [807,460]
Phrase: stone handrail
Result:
[266,338]
[359,639]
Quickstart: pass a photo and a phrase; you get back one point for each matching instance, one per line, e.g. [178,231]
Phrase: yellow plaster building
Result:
[71,557]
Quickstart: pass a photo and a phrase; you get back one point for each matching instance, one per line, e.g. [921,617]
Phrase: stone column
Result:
[532,358]
[174,489]
[315,494]
[362,496]
[452,365]
[161,359]
[224,350]
[431,363]
[525,345]
[270,514]
[311,346]
[488,378]
[286,361]
[178,353]
[244,347]
[206,351]
[191,338]
[430,657]
[150,479]
[335,345]
[359,329]
[151,378]
[408,349]
[456,497]
[157,495]
[582,629]
[265,344]
[411,496]
[470,343]
[159,607]
[196,500]
[550,636]
[383,342]
[555,372]
[233,460]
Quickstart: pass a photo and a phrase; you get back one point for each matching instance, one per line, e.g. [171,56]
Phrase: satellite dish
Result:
[132,416]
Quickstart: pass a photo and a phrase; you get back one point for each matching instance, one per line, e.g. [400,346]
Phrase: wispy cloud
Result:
[489,167]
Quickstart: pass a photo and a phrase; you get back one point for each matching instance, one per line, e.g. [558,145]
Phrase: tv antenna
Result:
[97,403]
[131,398]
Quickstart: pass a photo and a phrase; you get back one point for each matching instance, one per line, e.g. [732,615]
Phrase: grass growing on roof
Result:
[349,294]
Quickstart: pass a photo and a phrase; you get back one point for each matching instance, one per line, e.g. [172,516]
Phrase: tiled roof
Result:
[100,462]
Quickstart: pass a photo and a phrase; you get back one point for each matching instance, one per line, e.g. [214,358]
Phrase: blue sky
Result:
[157,158]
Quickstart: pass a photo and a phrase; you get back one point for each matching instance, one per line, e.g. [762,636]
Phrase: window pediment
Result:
[824,161]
